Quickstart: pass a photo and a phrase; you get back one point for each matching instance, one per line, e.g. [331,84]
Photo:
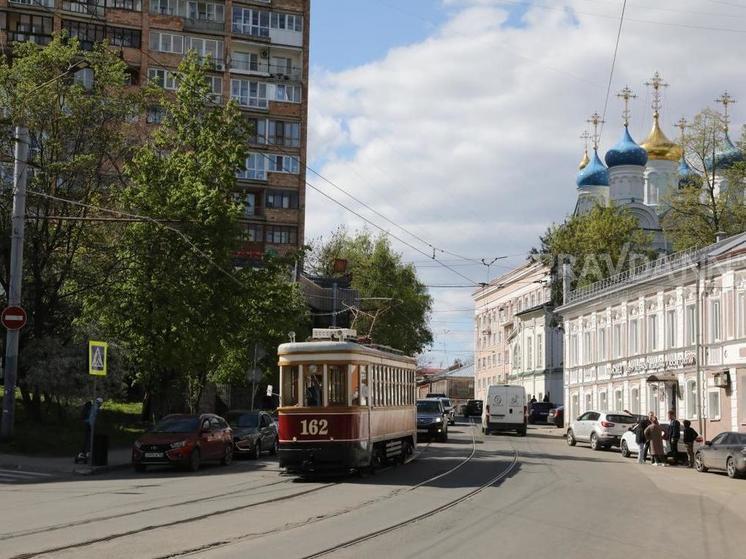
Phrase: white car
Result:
[629,447]
[600,428]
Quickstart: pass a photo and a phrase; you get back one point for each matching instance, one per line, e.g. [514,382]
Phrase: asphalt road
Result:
[476,496]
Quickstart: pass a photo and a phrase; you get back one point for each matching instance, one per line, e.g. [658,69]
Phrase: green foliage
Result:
[599,244]
[77,136]
[378,272]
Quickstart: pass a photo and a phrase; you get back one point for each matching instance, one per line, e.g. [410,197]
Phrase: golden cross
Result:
[626,94]
[681,124]
[657,83]
[585,136]
[595,120]
[725,99]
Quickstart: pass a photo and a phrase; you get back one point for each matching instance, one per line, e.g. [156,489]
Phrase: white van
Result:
[505,409]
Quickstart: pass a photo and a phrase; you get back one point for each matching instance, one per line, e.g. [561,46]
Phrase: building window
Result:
[249,93]
[602,350]
[284,164]
[155,115]
[691,325]
[603,403]
[284,133]
[713,404]
[529,354]
[618,400]
[539,351]
[634,397]
[215,83]
[166,42]
[84,78]
[279,199]
[247,202]
[288,93]
[741,314]
[617,341]
[671,329]
[517,356]
[252,232]
[280,235]
[715,324]
[290,22]
[653,398]
[653,333]
[691,399]
[205,11]
[573,407]
[588,402]
[634,347]
[256,168]
[587,349]
[258,134]
[163,78]
[247,21]
[209,50]
[574,350]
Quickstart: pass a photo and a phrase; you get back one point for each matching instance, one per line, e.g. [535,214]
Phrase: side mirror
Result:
[708,443]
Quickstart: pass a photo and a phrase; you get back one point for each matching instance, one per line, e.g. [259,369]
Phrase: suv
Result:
[538,412]
[599,428]
[447,406]
[432,419]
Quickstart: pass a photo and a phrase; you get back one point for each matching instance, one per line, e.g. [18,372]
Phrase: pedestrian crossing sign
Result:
[97,358]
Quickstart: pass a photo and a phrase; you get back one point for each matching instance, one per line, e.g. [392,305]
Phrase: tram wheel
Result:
[406,451]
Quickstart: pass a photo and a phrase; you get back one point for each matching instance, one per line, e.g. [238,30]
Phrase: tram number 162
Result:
[314,427]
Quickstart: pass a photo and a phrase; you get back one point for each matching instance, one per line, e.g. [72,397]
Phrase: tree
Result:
[78,130]
[599,244]
[700,210]
[389,289]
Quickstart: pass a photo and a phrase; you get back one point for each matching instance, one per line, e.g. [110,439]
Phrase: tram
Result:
[343,404]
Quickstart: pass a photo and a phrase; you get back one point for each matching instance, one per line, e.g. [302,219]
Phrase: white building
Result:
[668,335]
[513,339]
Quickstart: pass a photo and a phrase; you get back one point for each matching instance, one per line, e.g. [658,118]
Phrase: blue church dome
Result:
[593,174]
[687,175]
[726,157]
[626,152]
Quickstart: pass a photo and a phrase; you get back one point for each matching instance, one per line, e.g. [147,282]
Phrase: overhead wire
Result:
[613,64]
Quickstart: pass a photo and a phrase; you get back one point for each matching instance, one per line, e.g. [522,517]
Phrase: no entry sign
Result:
[13,318]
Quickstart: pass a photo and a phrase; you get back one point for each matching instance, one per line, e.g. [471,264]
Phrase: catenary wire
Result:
[613,64]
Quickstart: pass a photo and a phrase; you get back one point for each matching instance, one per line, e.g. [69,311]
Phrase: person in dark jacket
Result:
[642,444]
[673,434]
[690,435]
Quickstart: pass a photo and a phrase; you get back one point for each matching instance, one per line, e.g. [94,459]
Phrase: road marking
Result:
[24,473]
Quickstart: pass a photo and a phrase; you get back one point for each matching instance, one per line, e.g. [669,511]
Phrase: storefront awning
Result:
[664,377]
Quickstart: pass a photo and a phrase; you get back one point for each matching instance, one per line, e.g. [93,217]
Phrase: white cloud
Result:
[470,137]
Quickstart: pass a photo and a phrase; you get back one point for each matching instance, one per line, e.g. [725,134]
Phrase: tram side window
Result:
[374,385]
[363,385]
[398,387]
[355,384]
[337,376]
[313,377]
[290,386]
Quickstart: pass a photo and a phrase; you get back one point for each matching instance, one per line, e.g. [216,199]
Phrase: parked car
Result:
[628,443]
[538,412]
[450,410]
[727,451]
[253,432]
[473,408]
[556,416]
[184,440]
[432,420]
[505,409]
[600,429]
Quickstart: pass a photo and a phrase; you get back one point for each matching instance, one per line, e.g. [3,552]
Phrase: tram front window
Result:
[290,386]
[337,375]
[313,385]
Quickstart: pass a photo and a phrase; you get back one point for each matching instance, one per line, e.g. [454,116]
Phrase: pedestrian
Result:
[533,399]
[642,443]
[88,414]
[654,435]
[673,434]
[690,435]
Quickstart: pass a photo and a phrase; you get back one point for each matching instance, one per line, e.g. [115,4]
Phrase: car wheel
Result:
[194,460]
[275,447]
[228,456]
[625,449]
[140,468]
[571,438]
[730,467]
[595,445]
[699,463]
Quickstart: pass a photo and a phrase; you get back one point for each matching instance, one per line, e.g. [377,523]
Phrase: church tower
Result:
[728,155]
[626,161]
[593,177]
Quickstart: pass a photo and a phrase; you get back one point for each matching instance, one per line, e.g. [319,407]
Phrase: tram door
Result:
[360,394]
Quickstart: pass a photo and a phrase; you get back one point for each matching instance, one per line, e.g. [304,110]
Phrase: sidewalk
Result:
[118,458]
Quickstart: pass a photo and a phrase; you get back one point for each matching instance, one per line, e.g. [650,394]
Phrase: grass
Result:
[53,436]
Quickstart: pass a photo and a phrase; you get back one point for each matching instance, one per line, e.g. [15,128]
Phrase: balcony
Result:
[35,3]
[259,67]
[91,8]
[204,24]
[253,31]
[36,38]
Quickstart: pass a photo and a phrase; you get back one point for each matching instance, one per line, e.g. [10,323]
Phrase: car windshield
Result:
[446,402]
[177,425]
[541,406]
[628,419]
[244,420]
[427,407]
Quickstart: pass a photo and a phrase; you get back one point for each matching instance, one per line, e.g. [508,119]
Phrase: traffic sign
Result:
[13,318]
[97,358]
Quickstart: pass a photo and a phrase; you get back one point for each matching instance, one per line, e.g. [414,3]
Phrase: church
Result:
[642,177]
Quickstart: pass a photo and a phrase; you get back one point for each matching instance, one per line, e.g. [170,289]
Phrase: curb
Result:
[84,470]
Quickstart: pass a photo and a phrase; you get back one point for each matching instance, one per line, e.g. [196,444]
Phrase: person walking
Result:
[674,434]
[690,435]
[654,435]
[88,415]
[642,443]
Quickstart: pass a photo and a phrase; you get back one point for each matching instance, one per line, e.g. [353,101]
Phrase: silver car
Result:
[600,428]
[727,451]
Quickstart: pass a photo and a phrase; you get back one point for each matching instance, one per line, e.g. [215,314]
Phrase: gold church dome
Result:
[584,161]
[659,146]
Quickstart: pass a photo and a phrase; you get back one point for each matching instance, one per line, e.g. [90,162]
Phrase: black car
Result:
[432,420]
[556,416]
[253,432]
[473,408]
[538,412]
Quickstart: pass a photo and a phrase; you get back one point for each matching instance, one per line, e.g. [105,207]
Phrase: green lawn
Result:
[55,437]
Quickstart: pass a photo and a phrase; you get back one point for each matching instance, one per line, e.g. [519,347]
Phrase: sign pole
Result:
[16,276]
[93,425]
[97,355]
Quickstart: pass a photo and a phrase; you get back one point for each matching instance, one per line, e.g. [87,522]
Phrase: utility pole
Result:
[15,280]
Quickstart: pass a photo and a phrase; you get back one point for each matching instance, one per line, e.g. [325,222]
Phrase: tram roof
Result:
[327,346]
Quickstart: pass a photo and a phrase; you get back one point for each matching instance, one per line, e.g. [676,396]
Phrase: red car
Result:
[186,441]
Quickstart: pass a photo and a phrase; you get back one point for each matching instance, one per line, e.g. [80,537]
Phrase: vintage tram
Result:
[344,404]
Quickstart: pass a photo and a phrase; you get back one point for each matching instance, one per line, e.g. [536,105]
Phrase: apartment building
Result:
[258,56]
[670,334]
[510,346]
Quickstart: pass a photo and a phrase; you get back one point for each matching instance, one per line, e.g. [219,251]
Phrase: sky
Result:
[460,120]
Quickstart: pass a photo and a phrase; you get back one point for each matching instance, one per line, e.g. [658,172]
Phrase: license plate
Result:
[154,455]
[422,430]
